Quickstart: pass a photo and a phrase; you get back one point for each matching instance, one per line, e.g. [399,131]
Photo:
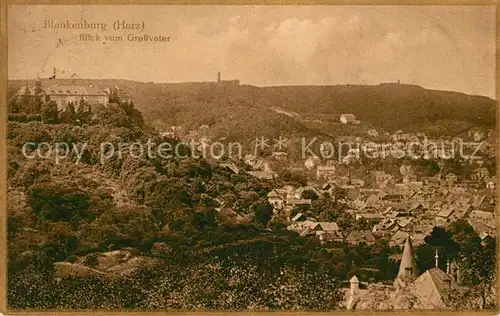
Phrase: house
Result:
[372,218]
[461,211]
[446,211]
[394,197]
[299,217]
[310,162]
[451,177]
[358,182]
[357,237]
[262,175]
[325,172]
[328,187]
[478,136]
[482,217]
[404,223]
[479,174]
[62,95]
[487,204]
[300,191]
[295,202]
[475,134]
[261,165]
[485,238]
[418,239]
[276,199]
[328,231]
[398,238]
[279,155]
[373,132]
[249,159]
[381,178]
[303,228]
[347,118]
[231,166]
[490,185]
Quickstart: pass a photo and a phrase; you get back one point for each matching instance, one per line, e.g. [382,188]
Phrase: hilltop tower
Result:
[408,271]
[218,77]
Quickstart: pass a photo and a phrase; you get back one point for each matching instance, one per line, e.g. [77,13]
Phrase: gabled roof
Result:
[446,211]
[326,168]
[399,236]
[361,236]
[306,188]
[297,217]
[404,221]
[249,157]
[261,174]
[431,287]
[274,194]
[327,185]
[258,164]
[329,226]
[371,200]
[484,235]
[481,216]
[477,200]
[231,166]
[299,202]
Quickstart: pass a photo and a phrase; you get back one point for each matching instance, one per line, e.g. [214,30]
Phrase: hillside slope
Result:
[243,111]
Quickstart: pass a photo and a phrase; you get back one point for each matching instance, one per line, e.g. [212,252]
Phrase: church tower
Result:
[408,271]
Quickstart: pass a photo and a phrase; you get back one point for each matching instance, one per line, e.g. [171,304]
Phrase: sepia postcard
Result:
[248,158]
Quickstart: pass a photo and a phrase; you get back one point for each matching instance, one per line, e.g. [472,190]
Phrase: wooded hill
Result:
[242,112]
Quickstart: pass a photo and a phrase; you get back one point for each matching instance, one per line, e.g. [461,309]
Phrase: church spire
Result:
[408,267]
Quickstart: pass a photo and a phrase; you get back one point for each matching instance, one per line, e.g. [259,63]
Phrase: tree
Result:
[13,226]
[26,101]
[59,201]
[442,239]
[309,194]
[477,264]
[263,213]
[61,242]
[14,106]
[91,260]
[38,98]
[84,112]
[50,113]
[68,116]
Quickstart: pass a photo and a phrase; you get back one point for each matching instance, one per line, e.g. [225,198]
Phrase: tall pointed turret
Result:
[407,268]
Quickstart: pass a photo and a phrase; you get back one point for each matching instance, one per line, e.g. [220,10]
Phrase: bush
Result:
[24,118]
[72,259]
[91,260]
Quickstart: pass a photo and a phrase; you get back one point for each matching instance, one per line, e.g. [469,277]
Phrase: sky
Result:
[437,47]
